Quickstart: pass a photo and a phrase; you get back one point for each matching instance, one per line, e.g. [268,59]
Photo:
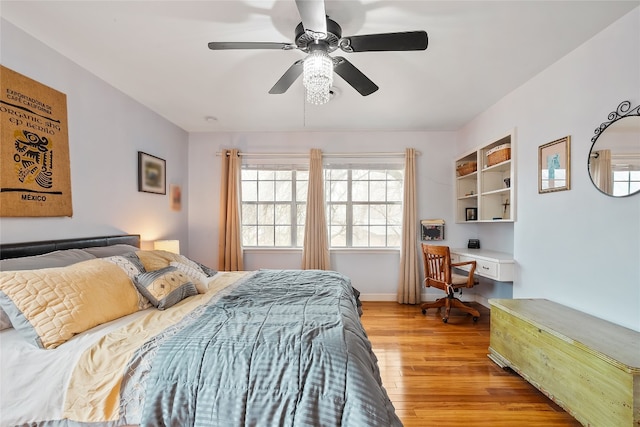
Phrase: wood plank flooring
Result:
[438,374]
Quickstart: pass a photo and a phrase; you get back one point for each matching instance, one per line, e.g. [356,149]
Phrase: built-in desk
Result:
[494,265]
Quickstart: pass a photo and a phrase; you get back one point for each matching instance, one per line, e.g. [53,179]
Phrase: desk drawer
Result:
[487,268]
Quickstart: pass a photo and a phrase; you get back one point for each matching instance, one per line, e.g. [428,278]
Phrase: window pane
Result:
[377,236]
[266,175]
[301,213]
[265,214]
[337,174]
[249,236]
[249,191]
[248,174]
[394,191]
[378,214]
[378,175]
[360,191]
[360,215]
[283,191]
[360,174]
[377,191]
[265,235]
[283,175]
[338,191]
[337,214]
[338,236]
[360,237]
[282,214]
[394,235]
[283,235]
[394,214]
[301,190]
[249,214]
[266,191]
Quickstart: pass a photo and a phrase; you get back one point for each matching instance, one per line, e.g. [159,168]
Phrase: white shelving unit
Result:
[486,190]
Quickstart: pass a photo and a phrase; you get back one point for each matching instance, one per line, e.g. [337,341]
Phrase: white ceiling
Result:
[156,52]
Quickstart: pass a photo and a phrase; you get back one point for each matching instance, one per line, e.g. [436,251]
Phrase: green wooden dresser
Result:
[588,366]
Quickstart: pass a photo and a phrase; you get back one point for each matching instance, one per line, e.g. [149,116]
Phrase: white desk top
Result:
[499,257]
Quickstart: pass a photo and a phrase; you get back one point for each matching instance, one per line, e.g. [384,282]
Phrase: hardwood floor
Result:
[438,374]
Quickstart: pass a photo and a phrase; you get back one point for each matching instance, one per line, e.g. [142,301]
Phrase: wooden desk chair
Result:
[438,274]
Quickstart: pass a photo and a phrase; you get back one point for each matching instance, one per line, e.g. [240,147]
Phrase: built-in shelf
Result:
[487,194]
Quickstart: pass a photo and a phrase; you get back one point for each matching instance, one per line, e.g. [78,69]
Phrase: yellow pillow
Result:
[51,305]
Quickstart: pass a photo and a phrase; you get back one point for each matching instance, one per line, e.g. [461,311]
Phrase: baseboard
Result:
[378,297]
[424,297]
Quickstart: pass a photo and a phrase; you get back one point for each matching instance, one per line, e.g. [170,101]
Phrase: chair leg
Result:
[448,302]
[440,302]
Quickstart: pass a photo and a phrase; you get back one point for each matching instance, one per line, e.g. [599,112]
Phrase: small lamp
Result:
[167,245]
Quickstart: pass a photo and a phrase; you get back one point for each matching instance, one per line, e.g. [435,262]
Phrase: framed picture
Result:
[432,229]
[554,165]
[151,174]
[471,214]
[175,197]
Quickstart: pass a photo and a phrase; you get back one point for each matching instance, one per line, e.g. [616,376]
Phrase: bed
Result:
[97,332]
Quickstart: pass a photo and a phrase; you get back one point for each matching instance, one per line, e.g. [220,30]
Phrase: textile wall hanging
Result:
[35,175]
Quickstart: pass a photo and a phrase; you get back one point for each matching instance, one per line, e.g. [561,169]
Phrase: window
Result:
[274,206]
[364,205]
[626,180]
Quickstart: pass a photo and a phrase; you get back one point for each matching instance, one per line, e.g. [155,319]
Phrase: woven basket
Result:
[466,168]
[498,154]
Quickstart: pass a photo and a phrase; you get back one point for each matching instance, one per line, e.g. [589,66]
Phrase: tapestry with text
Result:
[35,174]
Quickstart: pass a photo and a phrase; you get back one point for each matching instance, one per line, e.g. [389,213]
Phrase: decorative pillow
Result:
[61,258]
[113,250]
[165,287]
[196,275]
[157,259]
[131,265]
[50,305]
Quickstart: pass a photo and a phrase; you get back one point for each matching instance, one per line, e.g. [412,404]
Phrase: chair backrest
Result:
[437,266]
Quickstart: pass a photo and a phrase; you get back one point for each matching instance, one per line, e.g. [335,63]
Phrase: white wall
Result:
[106,130]
[374,272]
[577,247]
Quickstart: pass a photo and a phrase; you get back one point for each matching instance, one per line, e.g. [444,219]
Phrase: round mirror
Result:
[614,159]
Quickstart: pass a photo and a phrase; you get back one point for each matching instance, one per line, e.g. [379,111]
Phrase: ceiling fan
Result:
[318,35]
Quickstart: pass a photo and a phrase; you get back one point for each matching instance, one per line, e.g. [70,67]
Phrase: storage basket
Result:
[466,168]
[498,154]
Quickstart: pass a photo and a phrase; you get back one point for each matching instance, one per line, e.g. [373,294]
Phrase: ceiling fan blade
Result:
[250,45]
[314,18]
[354,77]
[287,79]
[410,40]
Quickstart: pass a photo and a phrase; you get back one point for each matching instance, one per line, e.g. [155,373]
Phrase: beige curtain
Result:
[315,254]
[229,244]
[409,284]
[601,172]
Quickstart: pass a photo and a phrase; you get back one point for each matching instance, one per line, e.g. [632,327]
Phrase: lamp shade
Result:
[167,245]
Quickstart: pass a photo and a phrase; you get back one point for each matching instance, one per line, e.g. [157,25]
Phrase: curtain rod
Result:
[305,155]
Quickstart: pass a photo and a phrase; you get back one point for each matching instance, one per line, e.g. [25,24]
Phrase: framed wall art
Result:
[175,197]
[151,174]
[554,165]
[432,229]
[471,214]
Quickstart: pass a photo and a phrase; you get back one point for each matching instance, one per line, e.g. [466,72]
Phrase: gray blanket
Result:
[284,349]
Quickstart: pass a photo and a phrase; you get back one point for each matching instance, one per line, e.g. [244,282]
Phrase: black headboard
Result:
[15,250]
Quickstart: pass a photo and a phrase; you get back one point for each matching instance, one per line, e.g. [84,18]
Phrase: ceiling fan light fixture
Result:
[317,77]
